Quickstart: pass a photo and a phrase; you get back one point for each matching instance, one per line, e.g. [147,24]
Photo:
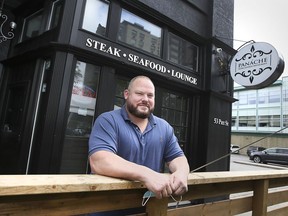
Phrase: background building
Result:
[70,61]
[259,113]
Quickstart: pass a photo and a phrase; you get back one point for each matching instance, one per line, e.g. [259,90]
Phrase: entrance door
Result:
[12,126]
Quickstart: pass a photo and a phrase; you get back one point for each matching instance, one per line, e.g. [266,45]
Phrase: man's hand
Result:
[178,184]
[159,184]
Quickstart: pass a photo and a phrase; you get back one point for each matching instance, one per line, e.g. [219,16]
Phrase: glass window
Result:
[55,14]
[233,121]
[95,16]
[174,109]
[140,33]
[83,100]
[80,119]
[285,95]
[182,52]
[269,121]
[243,98]
[274,96]
[121,85]
[247,121]
[262,97]
[252,97]
[285,120]
[32,25]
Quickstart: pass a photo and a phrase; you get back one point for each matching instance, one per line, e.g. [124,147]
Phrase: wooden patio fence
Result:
[263,193]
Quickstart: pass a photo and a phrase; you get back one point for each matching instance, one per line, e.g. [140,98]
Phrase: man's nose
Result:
[144,97]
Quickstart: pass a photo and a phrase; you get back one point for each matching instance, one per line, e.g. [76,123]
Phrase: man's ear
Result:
[126,93]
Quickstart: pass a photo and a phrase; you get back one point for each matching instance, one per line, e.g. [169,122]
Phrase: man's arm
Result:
[179,168]
[109,164]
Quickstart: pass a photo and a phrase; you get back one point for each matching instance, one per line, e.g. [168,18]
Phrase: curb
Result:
[262,165]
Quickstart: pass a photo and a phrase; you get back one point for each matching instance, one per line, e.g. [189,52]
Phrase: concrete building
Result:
[259,113]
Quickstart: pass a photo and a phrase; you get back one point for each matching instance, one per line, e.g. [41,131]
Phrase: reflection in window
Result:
[95,16]
[274,96]
[32,25]
[83,100]
[243,98]
[233,121]
[285,120]
[247,121]
[174,109]
[121,85]
[182,52]
[269,121]
[139,33]
[55,14]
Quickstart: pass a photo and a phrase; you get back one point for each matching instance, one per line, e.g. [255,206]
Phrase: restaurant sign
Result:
[256,65]
[128,57]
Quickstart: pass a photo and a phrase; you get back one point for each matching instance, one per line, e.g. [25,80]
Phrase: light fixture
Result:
[8,35]
[222,60]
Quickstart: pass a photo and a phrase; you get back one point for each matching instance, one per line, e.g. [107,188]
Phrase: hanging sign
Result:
[256,65]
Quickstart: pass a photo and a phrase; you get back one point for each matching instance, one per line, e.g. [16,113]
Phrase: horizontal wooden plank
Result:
[226,176]
[226,207]
[43,184]
[70,203]
[278,212]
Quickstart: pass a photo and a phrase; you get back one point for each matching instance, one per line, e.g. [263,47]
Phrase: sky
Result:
[262,21]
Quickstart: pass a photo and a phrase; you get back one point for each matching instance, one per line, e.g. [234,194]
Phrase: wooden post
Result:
[157,207]
[259,203]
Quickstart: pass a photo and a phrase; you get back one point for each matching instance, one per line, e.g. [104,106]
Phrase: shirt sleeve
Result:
[172,149]
[103,135]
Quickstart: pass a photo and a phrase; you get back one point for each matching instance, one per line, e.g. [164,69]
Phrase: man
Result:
[133,144]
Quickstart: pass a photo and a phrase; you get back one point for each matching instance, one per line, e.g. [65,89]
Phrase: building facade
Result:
[261,112]
[70,61]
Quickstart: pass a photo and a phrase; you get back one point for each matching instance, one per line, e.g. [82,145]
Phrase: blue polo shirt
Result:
[113,131]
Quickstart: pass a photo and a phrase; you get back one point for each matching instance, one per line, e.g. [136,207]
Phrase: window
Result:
[262,96]
[243,98]
[83,100]
[121,85]
[269,121]
[285,120]
[139,33]
[182,52]
[247,121]
[32,25]
[55,14]
[95,17]
[274,96]
[233,121]
[80,118]
[252,97]
[174,109]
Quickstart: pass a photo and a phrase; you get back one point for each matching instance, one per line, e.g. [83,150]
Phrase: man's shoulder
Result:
[110,114]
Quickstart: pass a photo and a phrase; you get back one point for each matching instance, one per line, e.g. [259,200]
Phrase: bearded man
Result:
[131,143]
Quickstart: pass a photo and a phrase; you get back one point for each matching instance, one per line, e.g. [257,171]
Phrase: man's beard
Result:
[139,114]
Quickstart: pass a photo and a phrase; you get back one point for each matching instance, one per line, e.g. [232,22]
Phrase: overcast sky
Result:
[262,21]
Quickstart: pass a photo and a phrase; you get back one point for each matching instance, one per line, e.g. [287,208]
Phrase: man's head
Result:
[140,97]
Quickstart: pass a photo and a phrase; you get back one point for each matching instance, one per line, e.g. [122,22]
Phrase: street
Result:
[240,162]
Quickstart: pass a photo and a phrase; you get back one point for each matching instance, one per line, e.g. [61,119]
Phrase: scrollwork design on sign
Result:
[10,33]
[250,74]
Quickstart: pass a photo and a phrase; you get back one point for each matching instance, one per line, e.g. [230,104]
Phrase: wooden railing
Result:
[265,193]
